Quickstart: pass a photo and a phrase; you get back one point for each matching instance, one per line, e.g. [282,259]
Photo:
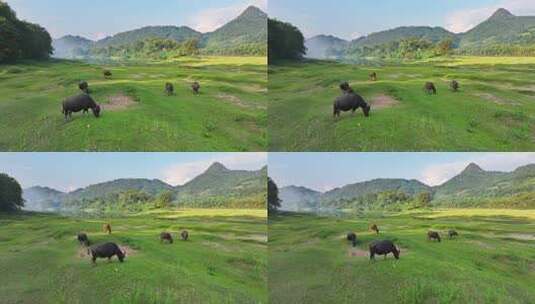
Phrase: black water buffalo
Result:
[373,76]
[106,228]
[430,88]
[352,237]
[346,88]
[83,239]
[452,234]
[383,248]
[433,235]
[79,103]
[107,250]
[107,74]
[350,101]
[196,87]
[454,85]
[84,87]
[184,235]
[169,89]
[166,236]
[374,227]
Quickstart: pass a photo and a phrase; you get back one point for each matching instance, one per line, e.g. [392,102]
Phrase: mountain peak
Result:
[473,168]
[501,13]
[217,167]
[252,11]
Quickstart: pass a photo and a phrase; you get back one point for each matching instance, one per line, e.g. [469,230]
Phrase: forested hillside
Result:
[473,187]
[20,39]
[246,35]
[217,187]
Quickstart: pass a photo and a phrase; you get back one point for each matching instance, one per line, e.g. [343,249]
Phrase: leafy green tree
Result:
[20,39]
[273,196]
[191,47]
[10,194]
[423,199]
[165,199]
[445,47]
[285,41]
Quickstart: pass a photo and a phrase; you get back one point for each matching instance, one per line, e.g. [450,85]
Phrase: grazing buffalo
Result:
[383,248]
[196,87]
[84,87]
[373,76]
[352,237]
[184,235]
[166,236]
[83,239]
[79,103]
[433,235]
[344,86]
[430,88]
[107,74]
[452,234]
[454,85]
[350,101]
[106,228]
[169,89]
[374,227]
[107,250]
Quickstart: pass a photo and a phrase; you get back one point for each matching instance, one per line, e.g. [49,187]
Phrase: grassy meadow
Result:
[224,261]
[492,260]
[493,111]
[229,115]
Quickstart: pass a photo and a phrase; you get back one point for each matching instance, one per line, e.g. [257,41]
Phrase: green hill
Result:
[295,198]
[42,198]
[151,187]
[219,181]
[501,34]
[244,35]
[71,46]
[501,28]
[216,187]
[325,46]
[176,33]
[433,34]
[358,190]
[473,187]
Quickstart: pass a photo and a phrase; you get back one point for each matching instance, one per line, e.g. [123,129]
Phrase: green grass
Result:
[492,261]
[302,94]
[225,260]
[229,114]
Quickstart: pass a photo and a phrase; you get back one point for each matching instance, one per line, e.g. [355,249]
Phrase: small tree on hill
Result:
[273,196]
[445,47]
[164,199]
[423,199]
[10,194]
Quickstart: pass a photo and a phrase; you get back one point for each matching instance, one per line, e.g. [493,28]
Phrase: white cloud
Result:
[211,19]
[464,20]
[440,173]
[180,174]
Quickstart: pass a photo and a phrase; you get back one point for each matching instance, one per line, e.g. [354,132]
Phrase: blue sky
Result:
[325,171]
[69,171]
[350,19]
[97,19]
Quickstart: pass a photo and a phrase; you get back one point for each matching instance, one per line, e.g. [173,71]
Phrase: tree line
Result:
[285,41]
[21,39]
[10,194]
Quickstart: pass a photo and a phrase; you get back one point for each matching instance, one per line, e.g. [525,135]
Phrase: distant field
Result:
[225,260]
[230,114]
[494,110]
[492,261]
